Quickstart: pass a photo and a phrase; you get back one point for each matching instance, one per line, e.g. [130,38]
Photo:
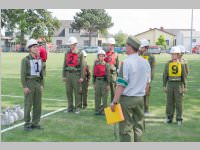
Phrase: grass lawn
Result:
[86,127]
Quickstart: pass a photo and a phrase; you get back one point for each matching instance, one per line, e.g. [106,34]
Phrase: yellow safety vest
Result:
[174,71]
[145,57]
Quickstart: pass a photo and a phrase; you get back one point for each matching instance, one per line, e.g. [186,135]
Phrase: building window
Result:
[86,43]
[174,42]
[58,42]
[99,42]
[167,42]
[71,30]
[194,40]
[62,33]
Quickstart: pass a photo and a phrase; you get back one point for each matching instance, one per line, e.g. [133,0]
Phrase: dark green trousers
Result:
[132,128]
[101,95]
[146,101]
[174,100]
[33,101]
[73,87]
[84,93]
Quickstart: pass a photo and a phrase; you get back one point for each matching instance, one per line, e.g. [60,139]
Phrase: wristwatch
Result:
[114,102]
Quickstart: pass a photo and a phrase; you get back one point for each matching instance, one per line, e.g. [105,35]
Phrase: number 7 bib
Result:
[175,69]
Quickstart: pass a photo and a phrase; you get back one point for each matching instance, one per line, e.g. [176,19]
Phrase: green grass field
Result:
[86,127]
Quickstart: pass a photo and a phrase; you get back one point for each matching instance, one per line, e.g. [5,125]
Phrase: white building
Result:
[62,35]
[183,37]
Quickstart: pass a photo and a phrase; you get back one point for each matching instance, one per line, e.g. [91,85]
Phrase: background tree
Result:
[161,42]
[121,38]
[33,22]
[92,21]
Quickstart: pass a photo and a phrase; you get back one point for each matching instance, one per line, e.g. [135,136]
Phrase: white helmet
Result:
[175,49]
[72,40]
[84,53]
[31,42]
[111,41]
[100,48]
[182,48]
[101,52]
[144,43]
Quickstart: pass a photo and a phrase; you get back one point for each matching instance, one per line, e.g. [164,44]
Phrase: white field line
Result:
[20,124]
[49,99]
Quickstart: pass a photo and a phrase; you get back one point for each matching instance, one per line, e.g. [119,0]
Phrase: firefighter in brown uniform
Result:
[151,59]
[85,84]
[32,82]
[174,84]
[101,81]
[113,61]
[182,60]
[73,75]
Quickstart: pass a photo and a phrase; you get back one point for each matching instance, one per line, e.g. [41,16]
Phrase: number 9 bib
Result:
[174,69]
[145,57]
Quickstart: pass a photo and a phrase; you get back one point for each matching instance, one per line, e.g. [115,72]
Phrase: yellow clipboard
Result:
[114,117]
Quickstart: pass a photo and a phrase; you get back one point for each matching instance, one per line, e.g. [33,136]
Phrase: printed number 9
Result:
[174,69]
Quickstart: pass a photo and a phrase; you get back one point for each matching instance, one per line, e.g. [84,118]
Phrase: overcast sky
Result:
[133,21]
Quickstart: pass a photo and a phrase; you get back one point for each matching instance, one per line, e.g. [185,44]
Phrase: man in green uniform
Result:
[174,84]
[73,73]
[151,59]
[113,61]
[134,76]
[32,82]
[101,81]
[85,83]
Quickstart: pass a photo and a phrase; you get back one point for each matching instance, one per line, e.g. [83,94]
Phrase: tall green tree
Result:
[161,41]
[92,21]
[33,22]
[121,38]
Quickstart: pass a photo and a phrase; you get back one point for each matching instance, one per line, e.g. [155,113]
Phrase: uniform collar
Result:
[133,55]
[111,52]
[101,62]
[76,51]
[36,57]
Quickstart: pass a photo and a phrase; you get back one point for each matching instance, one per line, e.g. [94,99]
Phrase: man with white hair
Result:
[174,84]
[73,73]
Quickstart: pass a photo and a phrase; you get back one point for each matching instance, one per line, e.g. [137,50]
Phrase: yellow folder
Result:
[114,117]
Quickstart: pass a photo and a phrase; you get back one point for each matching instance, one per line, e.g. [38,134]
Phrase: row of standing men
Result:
[76,76]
